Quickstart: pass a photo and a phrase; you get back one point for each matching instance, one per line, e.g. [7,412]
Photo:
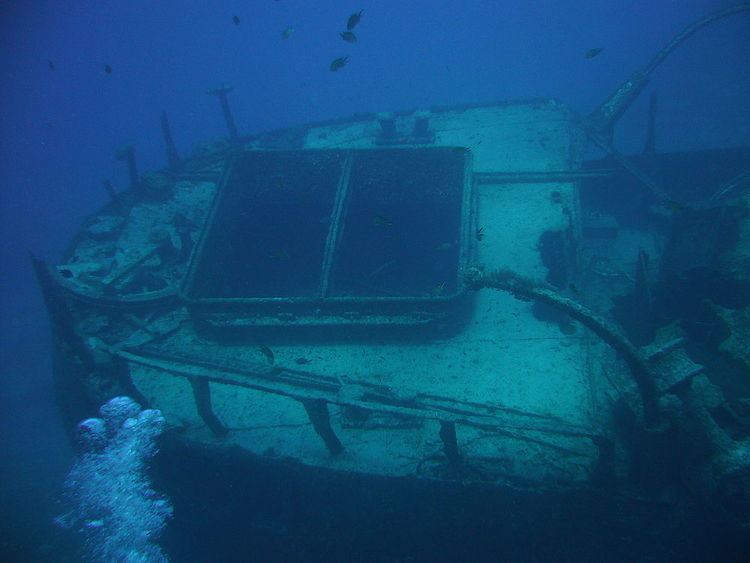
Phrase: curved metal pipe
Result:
[602,120]
[526,289]
[690,30]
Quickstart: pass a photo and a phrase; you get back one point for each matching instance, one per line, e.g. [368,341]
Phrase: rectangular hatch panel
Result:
[268,233]
[335,237]
[400,235]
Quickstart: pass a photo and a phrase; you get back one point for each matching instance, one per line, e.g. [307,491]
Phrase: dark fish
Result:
[50,64]
[267,352]
[338,63]
[348,36]
[353,20]
[591,53]
[673,205]
[278,182]
[280,254]
[480,233]
[438,290]
[108,69]
[301,361]
[381,268]
[380,221]
[236,20]
[287,33]
[573,287]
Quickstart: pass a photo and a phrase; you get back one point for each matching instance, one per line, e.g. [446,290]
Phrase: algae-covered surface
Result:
[501,355]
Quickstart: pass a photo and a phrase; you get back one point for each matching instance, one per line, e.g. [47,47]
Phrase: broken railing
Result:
[315,392]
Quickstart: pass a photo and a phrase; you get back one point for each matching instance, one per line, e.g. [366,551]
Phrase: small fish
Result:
[338,63]
[380,269]
[348,36]
[278,255]
[574,288]
[591,53]
[267,352]
[287,33]
[459,150]
[438,290]
[236,20]
[480,233]
[108,69]
[673,205]
[301,361]
[50,64]
[380,221]
[444,246]
[279,183]
[353,20]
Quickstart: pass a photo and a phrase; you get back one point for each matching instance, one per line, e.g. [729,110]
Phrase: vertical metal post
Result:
[221,93]
[317,411]
[128,153]
[649,148]
[61,317]
[172,157]
[450,444]
[116,201]
[202,394]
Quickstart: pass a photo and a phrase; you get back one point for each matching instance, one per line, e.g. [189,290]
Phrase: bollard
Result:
[421,125]
[387,126]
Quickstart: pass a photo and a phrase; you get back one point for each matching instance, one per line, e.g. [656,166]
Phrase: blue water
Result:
[62,118]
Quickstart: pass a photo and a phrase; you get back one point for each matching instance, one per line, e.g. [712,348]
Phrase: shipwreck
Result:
[445,296]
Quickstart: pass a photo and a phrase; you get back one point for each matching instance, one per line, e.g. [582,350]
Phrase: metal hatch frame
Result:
[325,310]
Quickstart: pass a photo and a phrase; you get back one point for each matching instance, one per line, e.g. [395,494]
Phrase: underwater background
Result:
[78,80]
